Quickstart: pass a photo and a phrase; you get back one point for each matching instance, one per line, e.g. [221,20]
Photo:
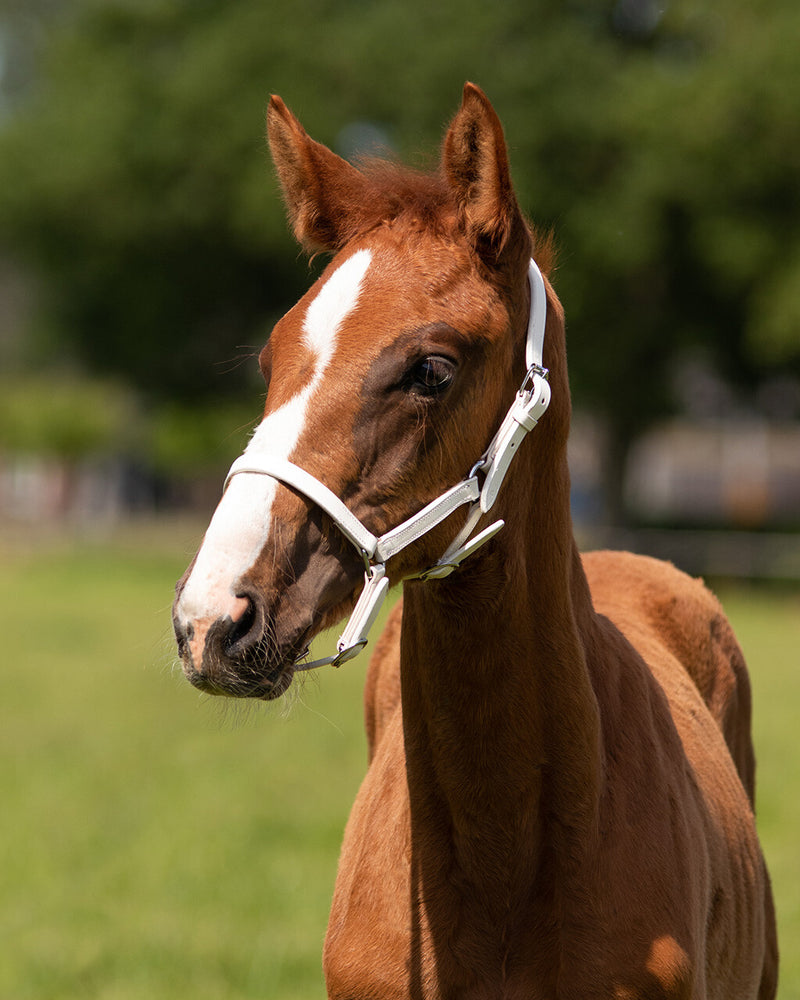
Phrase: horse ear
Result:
[475,163]
[318,186]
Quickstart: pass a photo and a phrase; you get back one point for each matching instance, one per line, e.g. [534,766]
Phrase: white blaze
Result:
[240,526]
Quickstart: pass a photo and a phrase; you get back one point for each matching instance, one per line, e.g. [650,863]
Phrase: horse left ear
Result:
[317,184]
[475,163]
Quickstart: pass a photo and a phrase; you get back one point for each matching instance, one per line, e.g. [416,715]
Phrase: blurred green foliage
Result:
[660,141]
[73,417]
[65,417]
[184,439]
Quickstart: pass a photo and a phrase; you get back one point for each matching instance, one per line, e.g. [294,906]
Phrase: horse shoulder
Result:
[684,617]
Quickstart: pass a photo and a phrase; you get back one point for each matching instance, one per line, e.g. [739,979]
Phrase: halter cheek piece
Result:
[479,489]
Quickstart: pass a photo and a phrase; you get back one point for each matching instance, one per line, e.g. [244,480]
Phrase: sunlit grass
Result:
[768,626]
[157,845]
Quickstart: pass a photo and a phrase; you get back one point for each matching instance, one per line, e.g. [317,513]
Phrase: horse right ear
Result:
[475,164]
[317,184]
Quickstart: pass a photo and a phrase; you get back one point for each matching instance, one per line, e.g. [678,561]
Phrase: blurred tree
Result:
[659,140]
[690,243]
[68,418]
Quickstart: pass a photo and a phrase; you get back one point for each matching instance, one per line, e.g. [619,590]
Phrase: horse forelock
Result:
[421,201]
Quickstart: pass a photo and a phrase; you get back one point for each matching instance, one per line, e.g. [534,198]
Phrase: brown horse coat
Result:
[559,799]
[686,644]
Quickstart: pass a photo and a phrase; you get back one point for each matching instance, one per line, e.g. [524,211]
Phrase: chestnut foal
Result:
[559,801]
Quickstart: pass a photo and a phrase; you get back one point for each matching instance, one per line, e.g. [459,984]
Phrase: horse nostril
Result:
[243,624]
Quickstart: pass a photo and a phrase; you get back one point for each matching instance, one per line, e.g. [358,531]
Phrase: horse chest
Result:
[407,924]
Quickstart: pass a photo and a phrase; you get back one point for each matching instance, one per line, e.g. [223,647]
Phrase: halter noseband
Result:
[529,404]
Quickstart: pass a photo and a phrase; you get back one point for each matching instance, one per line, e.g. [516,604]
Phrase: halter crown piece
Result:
[479,489]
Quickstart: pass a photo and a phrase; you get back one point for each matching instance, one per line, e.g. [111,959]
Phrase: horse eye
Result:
[430,376]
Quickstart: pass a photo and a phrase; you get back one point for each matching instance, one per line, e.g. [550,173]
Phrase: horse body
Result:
[559,796]
[623,863]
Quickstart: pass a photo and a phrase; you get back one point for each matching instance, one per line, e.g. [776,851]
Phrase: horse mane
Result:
[421,200]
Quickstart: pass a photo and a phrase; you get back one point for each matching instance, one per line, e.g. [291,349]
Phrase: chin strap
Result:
[479,490]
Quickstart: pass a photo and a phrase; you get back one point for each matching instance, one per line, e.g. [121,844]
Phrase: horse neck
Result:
[501,723]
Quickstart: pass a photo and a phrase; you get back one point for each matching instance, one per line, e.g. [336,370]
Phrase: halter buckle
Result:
[530,377]
[354,636]
[348,653]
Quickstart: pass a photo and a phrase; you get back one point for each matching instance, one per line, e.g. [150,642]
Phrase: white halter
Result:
[529,404]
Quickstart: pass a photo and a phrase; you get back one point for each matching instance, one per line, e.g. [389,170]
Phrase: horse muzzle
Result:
[234,655]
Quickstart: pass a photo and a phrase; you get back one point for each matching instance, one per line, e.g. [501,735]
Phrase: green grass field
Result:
[158,845]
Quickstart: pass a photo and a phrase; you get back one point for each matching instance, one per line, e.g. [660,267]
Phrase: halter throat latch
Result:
[479,490]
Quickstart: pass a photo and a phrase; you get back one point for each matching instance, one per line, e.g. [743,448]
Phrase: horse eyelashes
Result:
[430,377]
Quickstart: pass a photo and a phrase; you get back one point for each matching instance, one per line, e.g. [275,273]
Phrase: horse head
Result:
[385,384]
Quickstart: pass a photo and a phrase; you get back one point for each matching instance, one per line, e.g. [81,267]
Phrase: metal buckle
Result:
[531,373]
[348,653]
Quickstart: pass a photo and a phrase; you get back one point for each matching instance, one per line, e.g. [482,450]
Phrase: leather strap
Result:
[381,549]
[537,318]
[292,475]
[467,491]
[528,407]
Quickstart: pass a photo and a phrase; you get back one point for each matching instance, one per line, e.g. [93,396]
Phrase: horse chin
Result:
[232,679]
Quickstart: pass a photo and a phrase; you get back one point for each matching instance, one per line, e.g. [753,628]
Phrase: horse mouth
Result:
[253,671]
[230,682]
[255,649]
